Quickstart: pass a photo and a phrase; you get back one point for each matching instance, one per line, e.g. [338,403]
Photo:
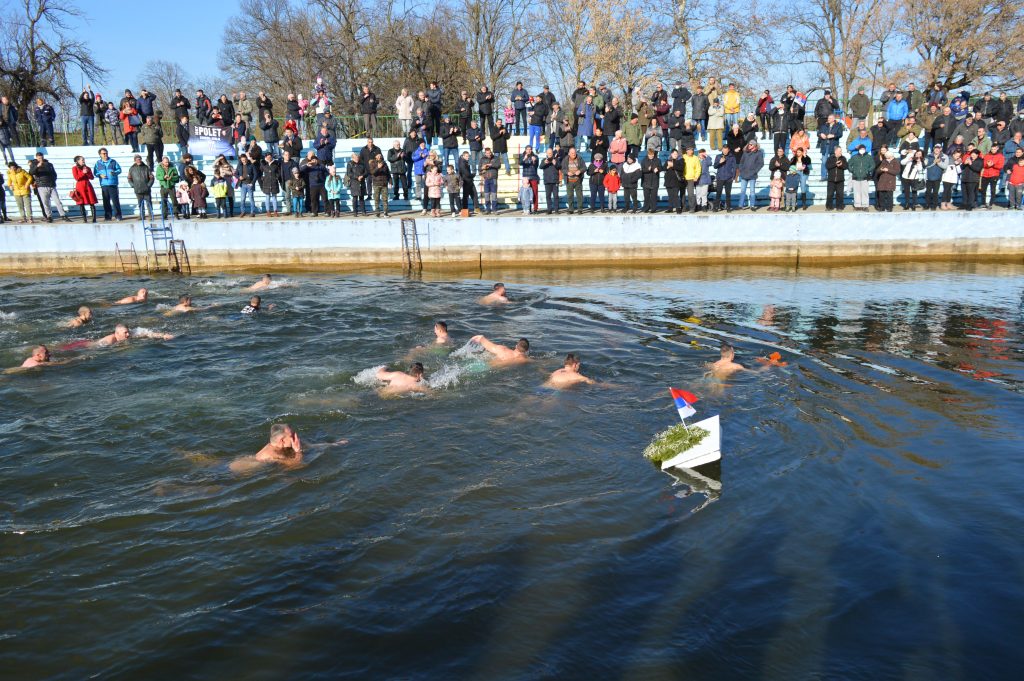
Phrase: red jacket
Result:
[1017,174]
[612,182]
[993,164]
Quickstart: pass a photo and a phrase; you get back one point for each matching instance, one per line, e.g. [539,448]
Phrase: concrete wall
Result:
[479,241]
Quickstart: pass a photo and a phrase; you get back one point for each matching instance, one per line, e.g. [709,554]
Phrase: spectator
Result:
[8,122]
[197,193]
[107,171]
[433,182]
[802,164]
[862,170]
[912,176]
[970,177]
[651,169]
[485,107]
[731,103]
[1015,185]
[435,97]
[140,178]
[475,138]
[549,166]
[314,174]
[86,115]
[992,168]
[152,136]
[934,166]
[404,105]
[467,174]
[44,178]
[333,185]
[859,107]
[537,118]
[597,170]
[184,133]
[674,182]
[180,105]
[825,107]
[271,182]
[83,193]
[885,179]
[355,175]
[464,111]
[631,174]
[749,166]
[716,124]
[573,170]
[528,164]
[245,173]
[167,178]
[419,158]
[835,195]
[20,183]
[725,170]
[130,124]
[519,99]
[449,140]
[45,116]
[399,178]
[381,179]
[950,178]
[829,135]
[499,144]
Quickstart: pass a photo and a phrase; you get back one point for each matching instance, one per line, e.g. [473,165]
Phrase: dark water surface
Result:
[868,523]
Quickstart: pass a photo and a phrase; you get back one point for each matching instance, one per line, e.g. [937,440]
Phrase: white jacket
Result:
[404,105]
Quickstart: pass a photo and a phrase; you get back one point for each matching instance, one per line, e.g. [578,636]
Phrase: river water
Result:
[864,521]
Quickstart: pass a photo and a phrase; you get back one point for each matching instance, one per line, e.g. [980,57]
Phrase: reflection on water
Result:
[864,516]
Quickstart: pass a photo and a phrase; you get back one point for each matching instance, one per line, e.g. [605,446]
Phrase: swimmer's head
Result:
[265,279]
[84,313]
[572,360]
[142,294]
[728,351]
[499,288]
[40,353]
[523,346]
[281,434]
[441,326]
[255,302]
[416,370]
[185,300]
[121,333]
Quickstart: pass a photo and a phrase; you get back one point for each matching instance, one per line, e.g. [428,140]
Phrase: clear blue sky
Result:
[124,35]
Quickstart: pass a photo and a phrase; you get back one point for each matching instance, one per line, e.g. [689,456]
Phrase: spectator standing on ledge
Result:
[87,115]
[44,175]
[107,171]
[45,116]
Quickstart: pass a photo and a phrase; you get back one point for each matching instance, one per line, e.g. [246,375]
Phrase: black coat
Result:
[270,177]
[650,169]
[835,168]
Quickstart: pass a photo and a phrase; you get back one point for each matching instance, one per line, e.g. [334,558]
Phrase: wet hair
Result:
[726,348]
[523,345]
[443,325]
[185,298]
[498,286]
[119,327]
[572,358]
[416,369]
[84,310]
[279,429]
[266,277]
[255,301]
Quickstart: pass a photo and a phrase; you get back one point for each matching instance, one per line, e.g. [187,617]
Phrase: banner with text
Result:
[210,140]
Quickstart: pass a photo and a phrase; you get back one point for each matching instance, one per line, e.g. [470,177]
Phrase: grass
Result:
[674,441]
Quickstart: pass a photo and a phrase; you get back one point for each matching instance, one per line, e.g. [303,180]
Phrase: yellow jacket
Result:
[19,181]
[732,102]
[691,168]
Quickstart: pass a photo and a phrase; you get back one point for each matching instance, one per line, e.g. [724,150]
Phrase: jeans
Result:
[182,149]
[751,196]
[270,203]
[827,148]
[534,137]
[154,151]
[520,120]
[8,153]
[168,202]
[1014,194]
[132,138]
[274,150]
[448,153]
[508,168]
[596,197]
[88,130]
[46,132]
[398,181]
[701,131]
[803,183]
[474,160]
[551,195]
[144,201]
[581,142]
[247,194]
[111,197]
[731,119]
[296,205]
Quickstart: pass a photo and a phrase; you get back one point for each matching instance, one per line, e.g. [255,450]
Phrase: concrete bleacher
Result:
[508,185]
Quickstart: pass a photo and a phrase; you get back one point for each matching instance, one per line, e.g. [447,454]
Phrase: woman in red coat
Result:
[84,195]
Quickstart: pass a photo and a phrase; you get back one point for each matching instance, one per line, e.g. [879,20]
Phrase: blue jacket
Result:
[418,157]
[45,114]
[107,172]
[725,167]
[144,105]
[705,171]
[519,98]
[897,111]
[857,141]
[325,148]
[751,163]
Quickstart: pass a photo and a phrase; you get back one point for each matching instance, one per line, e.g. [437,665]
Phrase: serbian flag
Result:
[684,402]
[801,99]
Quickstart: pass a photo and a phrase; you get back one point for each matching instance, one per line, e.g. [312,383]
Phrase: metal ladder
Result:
[177,254]
[412,261]
[127,258]
[161,244]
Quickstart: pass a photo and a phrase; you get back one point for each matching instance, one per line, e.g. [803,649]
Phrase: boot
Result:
[803,200]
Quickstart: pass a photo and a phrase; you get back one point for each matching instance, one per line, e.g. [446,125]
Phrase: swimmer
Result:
[40,356]
[140,297]
[727,365]
[503,355]
[83,318]
[184,305]
[495,297]
[254,305]
[284,448]
[123,335]
[402,382]
[569,375]
[263,283]
[441,333]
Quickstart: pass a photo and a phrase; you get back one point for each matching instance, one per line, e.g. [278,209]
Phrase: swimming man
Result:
[40,356]
[495,297]
[140,297]
[263,283]
[569,375]
[184,305]
[83,318]
[253,307]
[441,333]
[284,448]
[123,335]
[402,382]
[503,355]
[727,365]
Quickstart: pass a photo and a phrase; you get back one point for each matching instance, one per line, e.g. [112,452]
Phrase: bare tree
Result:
[38,49]
[567,53]
[162,78]
[634,50]
[498,40]
[968,41]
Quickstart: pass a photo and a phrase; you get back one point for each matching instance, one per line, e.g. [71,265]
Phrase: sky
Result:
[186,31]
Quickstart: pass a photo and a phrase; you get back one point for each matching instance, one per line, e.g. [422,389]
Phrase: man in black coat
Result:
[835,168]
[465,170]
[650,169]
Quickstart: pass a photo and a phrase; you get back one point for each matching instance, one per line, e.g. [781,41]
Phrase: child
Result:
[526,196]
[453,183]
[792,187]
[775,191]
[613,183]
[433,182]
[510,115]
[197,195]
[219,190]
[181,192]
[297,191]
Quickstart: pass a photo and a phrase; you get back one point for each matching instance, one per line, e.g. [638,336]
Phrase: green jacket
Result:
[167,178]
[860,105]
[633,133]
[150,134]
[862,166]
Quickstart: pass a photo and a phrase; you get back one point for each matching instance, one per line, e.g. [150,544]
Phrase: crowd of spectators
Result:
[697,142]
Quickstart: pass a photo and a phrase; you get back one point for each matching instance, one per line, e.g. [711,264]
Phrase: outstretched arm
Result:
[487,345]
[143,333]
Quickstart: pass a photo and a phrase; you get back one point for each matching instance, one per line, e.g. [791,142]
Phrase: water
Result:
[864,521]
